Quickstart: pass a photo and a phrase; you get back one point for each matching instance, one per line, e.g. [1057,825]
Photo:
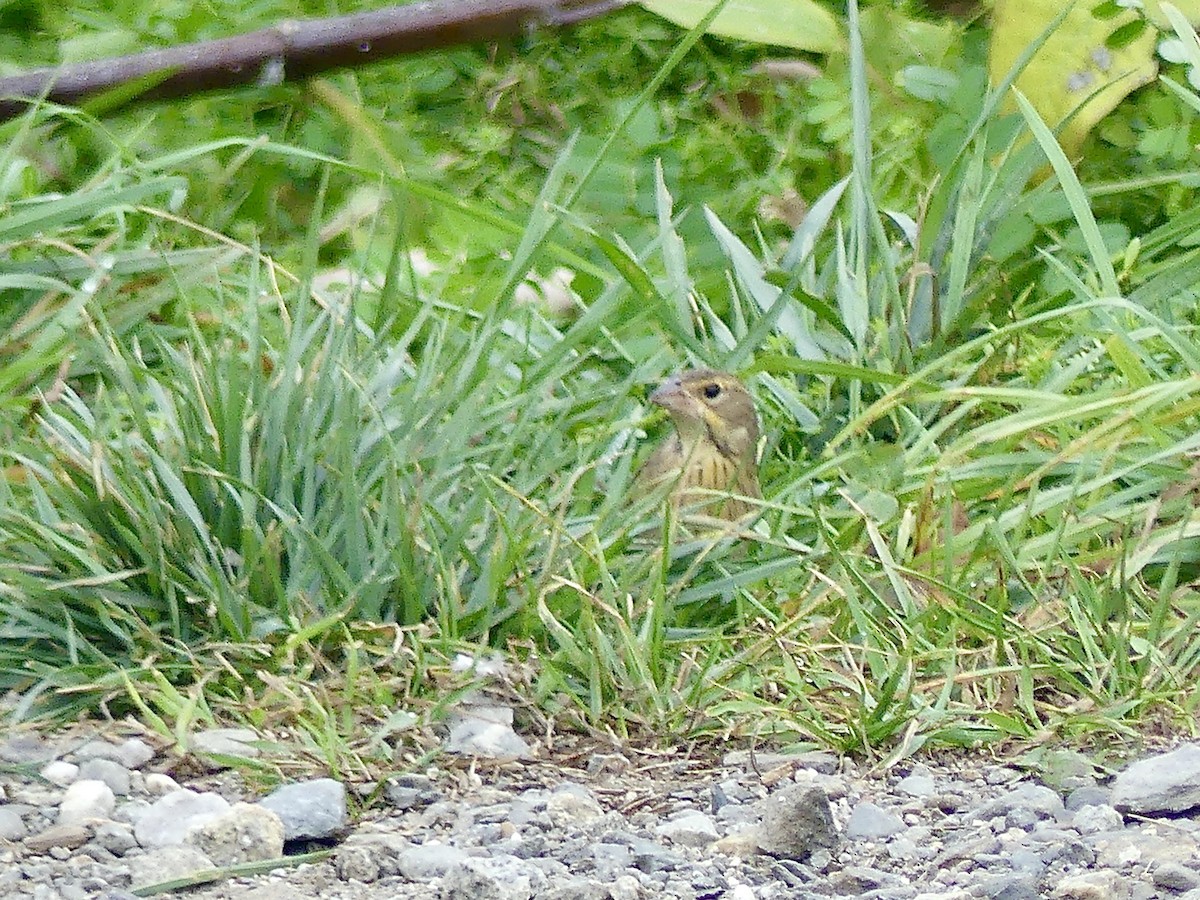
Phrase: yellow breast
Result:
[705,469]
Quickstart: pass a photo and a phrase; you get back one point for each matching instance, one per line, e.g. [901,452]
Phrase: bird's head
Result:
[706,402]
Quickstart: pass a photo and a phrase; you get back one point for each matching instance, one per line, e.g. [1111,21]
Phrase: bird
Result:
[714,446]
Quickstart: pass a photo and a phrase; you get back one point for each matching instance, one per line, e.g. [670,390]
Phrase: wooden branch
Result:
[294,50]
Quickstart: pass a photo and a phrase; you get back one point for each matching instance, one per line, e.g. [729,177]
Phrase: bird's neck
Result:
[691,433]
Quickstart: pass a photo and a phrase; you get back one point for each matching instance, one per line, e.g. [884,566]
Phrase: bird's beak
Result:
[671,396]
[666,392]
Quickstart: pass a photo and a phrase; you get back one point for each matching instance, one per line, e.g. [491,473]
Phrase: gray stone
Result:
[426,862]
[115,837]
[1169,782]
[130,754]
[1092,795]
[1095,819]
[1010,887]
[571,806]
[1102,885]
[869,822]
[112,773]
[246,832]
[237,742]
[1034,798]
[917,785]
[485,731]
[166,864]
[1176,878]
[796,821]
[309,809]
[12,826]
[499,877]
[690,828]
[168,819]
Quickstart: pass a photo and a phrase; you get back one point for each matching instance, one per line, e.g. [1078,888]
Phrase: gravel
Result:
[107,815]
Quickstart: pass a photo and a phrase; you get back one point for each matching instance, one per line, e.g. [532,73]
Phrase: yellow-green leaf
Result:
[1093,56]
[799,24]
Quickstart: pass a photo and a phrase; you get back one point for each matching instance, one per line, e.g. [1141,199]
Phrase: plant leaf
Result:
[799,24]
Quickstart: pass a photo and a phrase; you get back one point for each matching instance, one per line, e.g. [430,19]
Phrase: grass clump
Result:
[314,485]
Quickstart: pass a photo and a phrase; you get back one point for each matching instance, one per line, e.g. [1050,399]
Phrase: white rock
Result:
[691,828]
[86,800]
[60,772]
[169,819]
[626,887]
[486,731]
[159,785]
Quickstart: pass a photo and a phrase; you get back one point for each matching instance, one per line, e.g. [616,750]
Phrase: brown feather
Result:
[714,447]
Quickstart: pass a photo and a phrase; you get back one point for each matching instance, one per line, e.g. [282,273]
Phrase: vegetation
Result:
[298,406]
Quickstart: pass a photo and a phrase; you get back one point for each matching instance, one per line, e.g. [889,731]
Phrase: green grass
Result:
[312,474]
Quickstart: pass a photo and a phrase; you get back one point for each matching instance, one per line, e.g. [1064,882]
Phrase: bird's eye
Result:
[712,391]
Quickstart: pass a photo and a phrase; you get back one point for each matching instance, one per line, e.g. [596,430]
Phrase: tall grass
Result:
[978,519]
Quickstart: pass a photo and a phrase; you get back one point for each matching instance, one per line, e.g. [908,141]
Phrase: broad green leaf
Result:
[799,24]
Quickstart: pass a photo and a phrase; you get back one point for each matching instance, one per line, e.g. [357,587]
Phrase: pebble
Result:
[869,822]
[485,731]
[1167,783]
[236,742]
[100,821]
[168,820]
[60,773]
[309,809]
[425,862]
[84,800]
[111,773]
[690,828]
[796,821]
[247,832]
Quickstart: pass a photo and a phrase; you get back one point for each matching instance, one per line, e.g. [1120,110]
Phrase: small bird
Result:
[714,447]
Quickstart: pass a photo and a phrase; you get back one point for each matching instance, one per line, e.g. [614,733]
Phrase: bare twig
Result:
[294,50]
